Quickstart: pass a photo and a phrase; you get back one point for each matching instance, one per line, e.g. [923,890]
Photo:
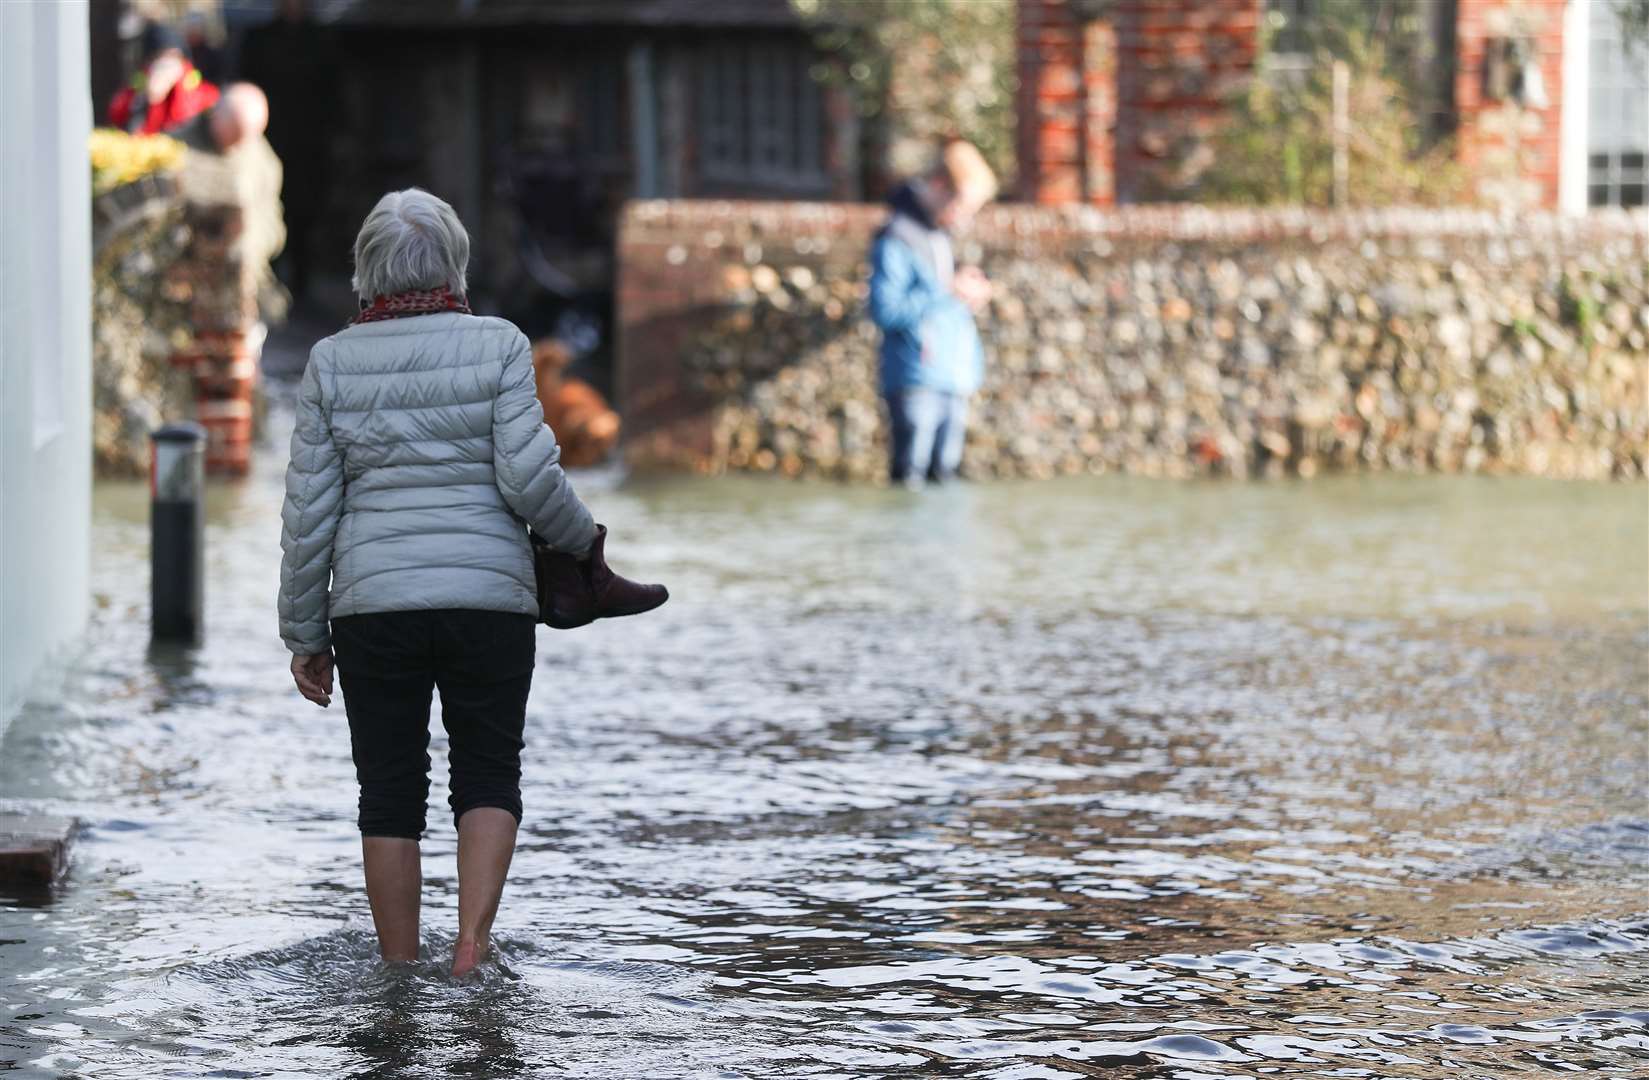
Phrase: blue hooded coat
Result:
[929,339]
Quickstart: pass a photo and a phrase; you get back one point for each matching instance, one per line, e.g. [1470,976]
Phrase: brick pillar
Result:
[1066,105]
[221,353]
[1178,64]
[226,376]
[1509,148]
[1099,117]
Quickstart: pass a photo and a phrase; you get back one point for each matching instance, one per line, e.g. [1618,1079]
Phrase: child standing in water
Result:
[931,357]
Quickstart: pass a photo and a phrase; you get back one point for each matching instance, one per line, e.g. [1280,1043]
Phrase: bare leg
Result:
[486,842]
[394,880]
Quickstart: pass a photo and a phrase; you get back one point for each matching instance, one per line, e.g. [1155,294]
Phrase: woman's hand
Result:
[972,286]
[313,674]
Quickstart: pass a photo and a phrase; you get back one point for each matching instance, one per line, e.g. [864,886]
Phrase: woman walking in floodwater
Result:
[419,458]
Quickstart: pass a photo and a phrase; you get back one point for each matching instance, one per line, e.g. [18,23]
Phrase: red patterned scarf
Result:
[413,302]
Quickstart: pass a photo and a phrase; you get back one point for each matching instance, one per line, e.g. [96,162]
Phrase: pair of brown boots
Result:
[574,592]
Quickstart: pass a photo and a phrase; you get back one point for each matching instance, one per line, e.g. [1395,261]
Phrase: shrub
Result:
[924,70]
[1278,143]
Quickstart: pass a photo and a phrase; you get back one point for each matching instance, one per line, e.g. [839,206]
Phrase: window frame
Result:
[762,120]
[1612,95]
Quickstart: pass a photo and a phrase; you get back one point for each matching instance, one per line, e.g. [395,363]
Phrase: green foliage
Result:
[1407,31]
[1578,307]
[1634,22]
[924,70]
[1278,145]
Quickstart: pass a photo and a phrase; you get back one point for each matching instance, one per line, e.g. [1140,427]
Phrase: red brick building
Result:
[1118,98]
[1510,144]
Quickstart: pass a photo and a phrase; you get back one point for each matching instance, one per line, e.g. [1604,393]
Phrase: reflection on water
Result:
[1346,779]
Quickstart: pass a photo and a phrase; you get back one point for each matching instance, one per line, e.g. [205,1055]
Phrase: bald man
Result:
[232,133]
[240,116]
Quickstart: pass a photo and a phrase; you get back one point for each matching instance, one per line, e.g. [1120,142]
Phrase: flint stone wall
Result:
[1171,341]
[178,261]
[138,231]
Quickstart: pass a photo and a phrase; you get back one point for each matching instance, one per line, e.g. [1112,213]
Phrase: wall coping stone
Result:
[1171,221]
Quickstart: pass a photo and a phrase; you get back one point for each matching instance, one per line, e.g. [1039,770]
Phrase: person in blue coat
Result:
[931,358]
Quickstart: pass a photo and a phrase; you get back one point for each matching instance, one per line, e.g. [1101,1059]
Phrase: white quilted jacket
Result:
[419,458]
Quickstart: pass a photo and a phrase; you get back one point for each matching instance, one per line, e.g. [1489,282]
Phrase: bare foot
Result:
[466,957]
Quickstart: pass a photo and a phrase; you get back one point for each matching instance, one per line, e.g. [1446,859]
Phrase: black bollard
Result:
[177,532]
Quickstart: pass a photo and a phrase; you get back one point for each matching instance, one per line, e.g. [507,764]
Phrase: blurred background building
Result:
[539,118]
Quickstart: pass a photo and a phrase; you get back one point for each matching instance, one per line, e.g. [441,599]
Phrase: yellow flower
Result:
[119,158]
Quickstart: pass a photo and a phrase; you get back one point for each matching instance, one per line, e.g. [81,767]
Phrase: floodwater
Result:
[1342,779]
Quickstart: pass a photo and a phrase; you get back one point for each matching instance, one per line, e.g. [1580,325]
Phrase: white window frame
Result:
[1617,113]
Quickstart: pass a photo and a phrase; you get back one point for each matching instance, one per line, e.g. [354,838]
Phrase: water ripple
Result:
[1001,784]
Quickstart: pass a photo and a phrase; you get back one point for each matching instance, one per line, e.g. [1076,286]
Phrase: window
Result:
[1288,55]
[571,105]
[1415,40]
[1617,115]
[761,115]
[1287,22]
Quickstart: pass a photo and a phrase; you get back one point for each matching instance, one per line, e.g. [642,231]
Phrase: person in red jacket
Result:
[167,93]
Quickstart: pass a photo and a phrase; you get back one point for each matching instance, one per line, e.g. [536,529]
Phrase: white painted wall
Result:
[1571,161]
[45,335]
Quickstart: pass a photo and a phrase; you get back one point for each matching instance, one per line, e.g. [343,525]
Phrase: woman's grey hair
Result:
[410,240]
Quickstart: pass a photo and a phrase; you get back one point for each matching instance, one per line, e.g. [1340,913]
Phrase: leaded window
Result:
[761,115]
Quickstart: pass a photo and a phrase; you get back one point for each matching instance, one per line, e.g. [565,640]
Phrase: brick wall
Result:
[1067,105]
[1511,151]
[217,279]
[1119,109]
[1178,63]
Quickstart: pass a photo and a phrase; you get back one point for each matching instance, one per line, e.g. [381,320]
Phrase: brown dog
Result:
[584,424]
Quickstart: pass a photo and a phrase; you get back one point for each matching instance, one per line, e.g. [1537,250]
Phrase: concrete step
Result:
[34,849]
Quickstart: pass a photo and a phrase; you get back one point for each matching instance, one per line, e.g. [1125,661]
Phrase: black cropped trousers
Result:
[389,664]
